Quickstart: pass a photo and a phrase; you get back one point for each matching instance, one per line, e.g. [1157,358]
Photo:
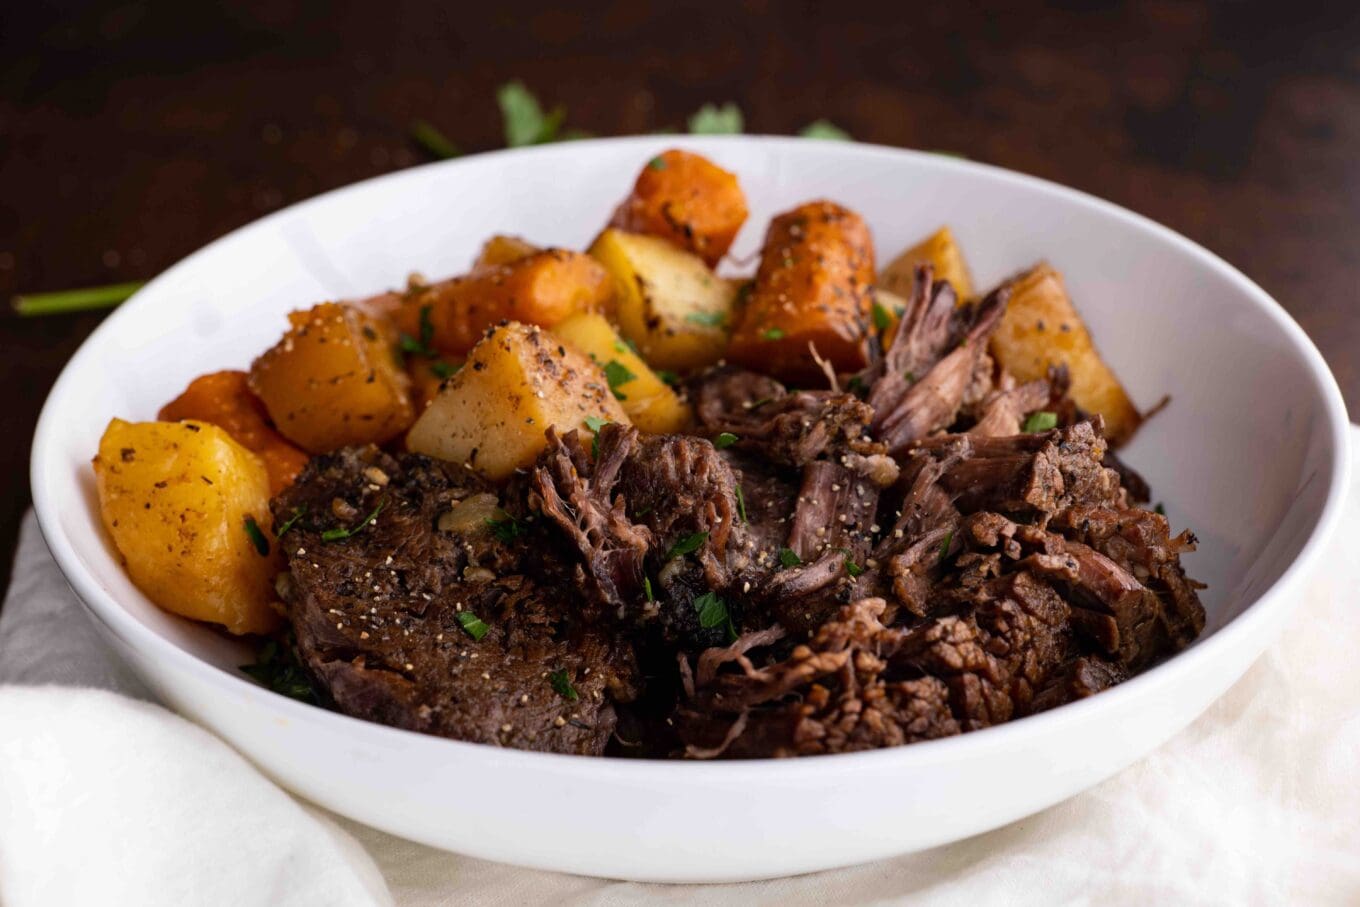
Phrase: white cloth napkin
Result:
[109,801]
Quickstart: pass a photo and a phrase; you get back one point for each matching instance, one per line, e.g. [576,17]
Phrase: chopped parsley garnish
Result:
[789,558]
[1040,421]
[433,141]
[525,121]
[624,345]
[617,374]
[443,370]
[669,377]
[741,503]
[86,299]
[290,522]
[647,588]
[882,317]
[772,334]
[335,535]
[1158,508]
[257,536]
[724,440]
[505,528]
[825,129]
[910,376]
[713,613]
[421,347]
[944,546]
[687,545]
[473,625]
[561,685]
[657,163]
[856,386]
[595,423]
[714,120]
[852,568]
[277,669]
[707,319]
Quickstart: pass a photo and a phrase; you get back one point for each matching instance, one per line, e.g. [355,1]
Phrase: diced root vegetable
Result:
[179,500]
[938,249]
[650,403]
[333,380]
[686,200]
[670,304]
[1041,328]
[812,289]
[225,400]
[519,380]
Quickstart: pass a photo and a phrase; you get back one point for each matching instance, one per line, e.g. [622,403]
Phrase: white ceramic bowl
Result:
[1250,454]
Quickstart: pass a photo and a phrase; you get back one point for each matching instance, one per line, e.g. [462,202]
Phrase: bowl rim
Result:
[1012,734]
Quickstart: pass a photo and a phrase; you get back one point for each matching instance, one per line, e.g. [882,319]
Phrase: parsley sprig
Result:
[335,535]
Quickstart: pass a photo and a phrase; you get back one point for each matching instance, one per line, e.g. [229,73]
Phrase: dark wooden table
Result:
[133,133]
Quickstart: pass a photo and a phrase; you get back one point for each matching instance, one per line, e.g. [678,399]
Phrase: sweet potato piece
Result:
[688,200]
[813,287]
[938,249]
[503,250]
[667,301]
[1041,327]
[519,380]
[333,380]
[649,402]
[225,400]
[542,288]
[175,498]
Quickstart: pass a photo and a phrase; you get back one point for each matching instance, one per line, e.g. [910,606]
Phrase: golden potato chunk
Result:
[333,380]
[188,510]
[649,402]
[938,249]
[1041,327]
[519,380]
[670,304]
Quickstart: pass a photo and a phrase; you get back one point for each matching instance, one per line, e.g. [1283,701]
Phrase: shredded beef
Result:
[811,571]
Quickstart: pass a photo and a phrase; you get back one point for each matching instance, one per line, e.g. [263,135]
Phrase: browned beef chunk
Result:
[1084,676]
[788,428]
[842,703]
[577,496]
[932,400]
[770,495]
[996,658]
[1141,541]
[1122,617]
[1003,411]
[386,619]
[922,335]
[1037,473]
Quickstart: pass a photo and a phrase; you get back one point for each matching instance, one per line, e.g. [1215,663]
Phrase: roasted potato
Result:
[1041,328]
[938,249]
[649,402]
[188,509]
[519,380]
[669,303]
[687,200]
[225,400]
[542,288]
[503,250]
[812,288]
[333,380]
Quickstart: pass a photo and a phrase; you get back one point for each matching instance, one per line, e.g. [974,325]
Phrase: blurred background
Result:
[133,133]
